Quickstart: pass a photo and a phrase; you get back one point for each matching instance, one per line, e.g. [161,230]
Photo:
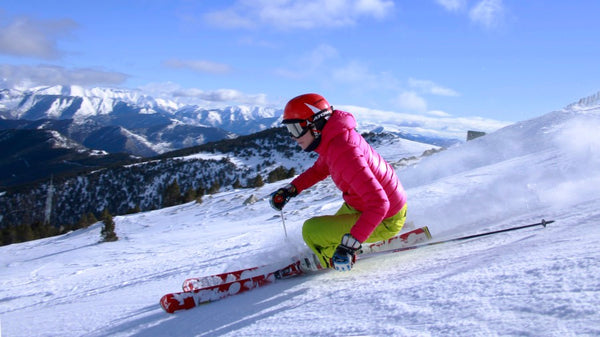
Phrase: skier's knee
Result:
[309,228]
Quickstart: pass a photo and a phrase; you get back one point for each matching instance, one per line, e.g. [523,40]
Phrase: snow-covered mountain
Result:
[63,102]
[220,165]
[533,282]
[75,102]
[241,120]
[155,125]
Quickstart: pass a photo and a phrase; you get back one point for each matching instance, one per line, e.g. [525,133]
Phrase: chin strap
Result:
[314,144]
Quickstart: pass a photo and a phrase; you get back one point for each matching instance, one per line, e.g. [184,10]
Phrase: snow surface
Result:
[531,282]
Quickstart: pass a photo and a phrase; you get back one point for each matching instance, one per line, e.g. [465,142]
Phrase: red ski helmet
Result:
[304,113]
[307,107]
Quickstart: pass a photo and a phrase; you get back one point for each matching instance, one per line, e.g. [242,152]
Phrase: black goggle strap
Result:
[323,113]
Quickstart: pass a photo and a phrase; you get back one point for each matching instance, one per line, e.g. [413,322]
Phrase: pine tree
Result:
[279,173]
[10,236]
[83,221]
[75,226]
[257,181]
[237,184]
[46,230]
[134,210]
[108,231]
[91,218]
[214,188]
[190,195]
[24,233]
[172,194]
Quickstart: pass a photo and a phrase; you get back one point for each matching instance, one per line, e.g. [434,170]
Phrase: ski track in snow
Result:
[532,282]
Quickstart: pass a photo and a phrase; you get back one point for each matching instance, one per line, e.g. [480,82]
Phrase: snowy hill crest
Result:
[591,101]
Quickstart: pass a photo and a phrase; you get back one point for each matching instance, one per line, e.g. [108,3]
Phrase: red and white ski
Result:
[232,283]
[399,241]
[190,299]
[410,240]
[212,280]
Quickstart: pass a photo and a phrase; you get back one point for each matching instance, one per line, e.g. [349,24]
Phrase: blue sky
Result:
[497,59]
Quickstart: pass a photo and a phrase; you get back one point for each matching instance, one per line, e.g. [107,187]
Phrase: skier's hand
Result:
[345,254]
[280,197]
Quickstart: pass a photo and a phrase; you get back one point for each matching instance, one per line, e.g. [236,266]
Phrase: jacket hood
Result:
[339,122]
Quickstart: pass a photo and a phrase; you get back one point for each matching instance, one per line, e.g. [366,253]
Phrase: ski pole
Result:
[283,222]
[541,223]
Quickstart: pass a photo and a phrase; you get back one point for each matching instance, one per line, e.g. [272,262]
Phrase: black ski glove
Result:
[345,254]
[280,197]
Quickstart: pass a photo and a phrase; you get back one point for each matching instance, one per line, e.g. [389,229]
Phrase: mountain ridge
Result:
[245,161]
[151,120]
[162,125]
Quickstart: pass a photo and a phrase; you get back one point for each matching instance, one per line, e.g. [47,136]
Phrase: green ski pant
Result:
[324,233]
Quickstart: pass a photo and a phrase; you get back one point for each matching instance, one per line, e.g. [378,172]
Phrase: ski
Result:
[212,280]
[399,241]
[190,299]
[231,283]
[187,300]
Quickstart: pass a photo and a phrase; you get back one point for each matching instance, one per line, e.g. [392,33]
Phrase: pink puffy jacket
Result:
[369,184]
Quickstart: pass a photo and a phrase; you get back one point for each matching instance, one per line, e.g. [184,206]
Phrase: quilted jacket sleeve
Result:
[311,176]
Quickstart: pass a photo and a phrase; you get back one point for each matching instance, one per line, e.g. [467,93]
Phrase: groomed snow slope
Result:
[533,282]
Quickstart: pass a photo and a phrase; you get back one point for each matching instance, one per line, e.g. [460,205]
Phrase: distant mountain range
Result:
[246,161]
[101,127]
[127,121]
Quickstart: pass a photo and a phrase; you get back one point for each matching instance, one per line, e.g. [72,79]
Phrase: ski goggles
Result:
[298,129]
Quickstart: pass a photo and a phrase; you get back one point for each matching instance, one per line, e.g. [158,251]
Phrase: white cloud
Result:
[452,5]
[430,87]
[294,14]
[206,98]
[201,66]
[360,78]
[228,96]
[376,8]
[309,64]
[29,76]
[29,37]
[488,13]
[354,73]
[429,124]
[411,101]
[324,68]
[230,18]
[438,113]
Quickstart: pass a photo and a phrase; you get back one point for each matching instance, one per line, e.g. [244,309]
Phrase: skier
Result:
[374,207]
